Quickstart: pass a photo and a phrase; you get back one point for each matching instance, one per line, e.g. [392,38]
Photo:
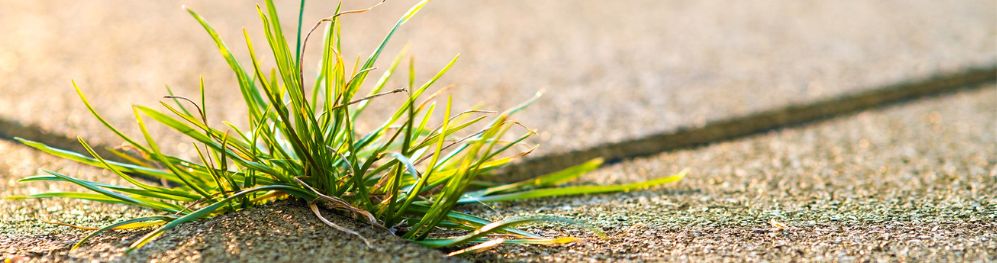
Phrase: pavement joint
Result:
[793,115]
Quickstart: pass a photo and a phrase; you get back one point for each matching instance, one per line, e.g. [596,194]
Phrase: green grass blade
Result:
[124,198]
[72,195]
[359,78]
[502,224]
[575,190]
[96,115]
[195,183]
[131,180]
[119,224]
[73,156]
[381,82]
[187,196]
[468,219]
[555,178]
[250,94]
[297,51]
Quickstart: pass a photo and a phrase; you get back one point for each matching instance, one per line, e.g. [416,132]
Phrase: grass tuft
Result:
[404,176]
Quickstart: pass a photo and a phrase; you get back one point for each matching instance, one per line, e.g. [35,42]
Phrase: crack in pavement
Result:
[736,127]
[732,128]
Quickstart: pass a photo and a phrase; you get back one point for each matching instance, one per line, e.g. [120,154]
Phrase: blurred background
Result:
[612,69]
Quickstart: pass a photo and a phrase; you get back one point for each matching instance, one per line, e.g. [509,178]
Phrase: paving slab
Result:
[612,70]
[909,183]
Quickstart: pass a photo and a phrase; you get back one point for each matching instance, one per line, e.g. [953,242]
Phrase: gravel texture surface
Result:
[277,233]
[612,70]
[910,183]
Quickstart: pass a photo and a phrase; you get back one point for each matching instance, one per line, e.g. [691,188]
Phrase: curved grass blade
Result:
[194,183]
[119,225]
[505,223]
[133,191]
[103,121]
[73,195]
[479,247]
[555,178]
[131,180]
[250,94]
[469,219]
[128,199]
[575,190]
[73,156]
[359,78]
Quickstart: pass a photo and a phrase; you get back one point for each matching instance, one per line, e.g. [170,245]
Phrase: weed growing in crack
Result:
[404,176]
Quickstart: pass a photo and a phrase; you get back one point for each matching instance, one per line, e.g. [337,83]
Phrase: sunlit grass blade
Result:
[249,92]
[186,196]
[506,223]
[74,195]
[80,158]
[551,179]
[486,245]
[133,181]
[122,225]
[381,82]
[469,219]
[575,190]
[456,185]
[124,198]
[110,127]
[359,78]
[194,183]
